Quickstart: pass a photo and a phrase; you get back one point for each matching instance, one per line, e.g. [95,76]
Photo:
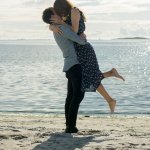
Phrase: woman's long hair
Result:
[63,8]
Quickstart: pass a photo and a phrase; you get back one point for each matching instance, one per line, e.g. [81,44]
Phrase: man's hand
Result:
[56,29]
[56,19]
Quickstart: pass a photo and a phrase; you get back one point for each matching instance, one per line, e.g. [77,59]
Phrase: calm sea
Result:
[31,77]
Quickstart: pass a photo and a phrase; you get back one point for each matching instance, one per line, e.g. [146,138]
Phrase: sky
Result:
[106,19]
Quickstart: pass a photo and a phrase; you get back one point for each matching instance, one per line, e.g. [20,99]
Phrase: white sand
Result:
[45,132]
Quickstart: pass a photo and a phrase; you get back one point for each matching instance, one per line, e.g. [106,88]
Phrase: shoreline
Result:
[130,115]
[46,132]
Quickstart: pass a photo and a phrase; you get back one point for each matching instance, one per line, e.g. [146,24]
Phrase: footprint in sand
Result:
[92,132]
[18,137]
[2,137]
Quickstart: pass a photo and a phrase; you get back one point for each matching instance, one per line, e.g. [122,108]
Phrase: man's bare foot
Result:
[112,105]
[116,74]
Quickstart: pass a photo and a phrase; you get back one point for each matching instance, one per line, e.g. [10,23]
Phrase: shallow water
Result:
[31,77]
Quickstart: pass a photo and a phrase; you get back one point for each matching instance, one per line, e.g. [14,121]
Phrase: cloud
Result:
[135,29]
[115,8]
[105,18]
[37,2]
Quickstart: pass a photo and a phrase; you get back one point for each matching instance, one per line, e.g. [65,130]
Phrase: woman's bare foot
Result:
[116,74]
[112,105]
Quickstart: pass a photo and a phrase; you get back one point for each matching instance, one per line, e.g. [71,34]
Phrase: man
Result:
[72,69]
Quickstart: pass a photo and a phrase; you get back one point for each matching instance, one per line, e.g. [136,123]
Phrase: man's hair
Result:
[47,13]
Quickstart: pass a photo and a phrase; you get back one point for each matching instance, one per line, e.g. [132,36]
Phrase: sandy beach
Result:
[46,132]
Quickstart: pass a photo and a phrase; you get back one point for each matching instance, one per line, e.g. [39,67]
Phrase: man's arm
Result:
[69,34]
[55,29]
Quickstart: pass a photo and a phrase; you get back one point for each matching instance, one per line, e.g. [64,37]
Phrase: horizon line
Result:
[88,39]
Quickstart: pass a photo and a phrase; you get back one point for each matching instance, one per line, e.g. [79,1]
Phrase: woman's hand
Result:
[55,29]
[83,36]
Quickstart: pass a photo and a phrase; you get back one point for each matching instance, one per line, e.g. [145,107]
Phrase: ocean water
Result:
[32,81]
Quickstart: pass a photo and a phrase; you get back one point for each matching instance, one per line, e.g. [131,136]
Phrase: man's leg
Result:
[68,99]
[78,96]
[75,75]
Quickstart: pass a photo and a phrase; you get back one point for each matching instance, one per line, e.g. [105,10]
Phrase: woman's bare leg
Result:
[110,101]
[113,73]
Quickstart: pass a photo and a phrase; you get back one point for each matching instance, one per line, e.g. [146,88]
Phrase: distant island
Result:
[133,38]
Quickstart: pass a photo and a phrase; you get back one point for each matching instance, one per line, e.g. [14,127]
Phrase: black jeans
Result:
[74,94]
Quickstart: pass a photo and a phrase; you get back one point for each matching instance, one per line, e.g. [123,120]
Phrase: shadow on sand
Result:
[63,141]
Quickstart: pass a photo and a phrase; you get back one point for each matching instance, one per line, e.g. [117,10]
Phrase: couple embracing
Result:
[80,63]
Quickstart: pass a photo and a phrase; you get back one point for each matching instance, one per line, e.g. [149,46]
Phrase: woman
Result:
[91,75]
